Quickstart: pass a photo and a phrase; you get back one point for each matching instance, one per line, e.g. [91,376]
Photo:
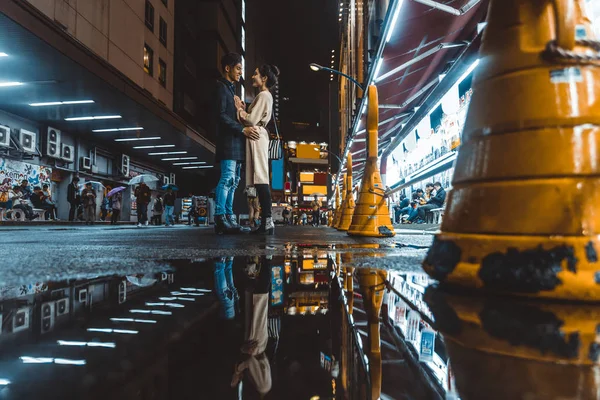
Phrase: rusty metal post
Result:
[522,217]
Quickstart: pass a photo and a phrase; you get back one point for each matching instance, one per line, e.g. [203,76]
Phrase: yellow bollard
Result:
[372,285]
[338,217]
[522,217]
[372,216]
[348,205]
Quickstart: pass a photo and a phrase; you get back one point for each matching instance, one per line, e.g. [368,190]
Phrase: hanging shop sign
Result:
[12,172]
[427,347]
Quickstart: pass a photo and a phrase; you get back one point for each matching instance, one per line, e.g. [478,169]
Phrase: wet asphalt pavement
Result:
[60,252]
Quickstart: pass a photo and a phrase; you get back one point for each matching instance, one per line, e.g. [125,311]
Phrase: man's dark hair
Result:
[402,196]
[37,188]
[415,196]
[76,179]
[45,186]
[430,185]
[419,190]
[231,59]
[24,181]
[437,184]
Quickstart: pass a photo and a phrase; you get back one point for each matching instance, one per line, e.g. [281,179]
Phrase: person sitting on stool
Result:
[436,201]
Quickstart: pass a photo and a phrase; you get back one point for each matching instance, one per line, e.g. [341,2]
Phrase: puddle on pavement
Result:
[296,326]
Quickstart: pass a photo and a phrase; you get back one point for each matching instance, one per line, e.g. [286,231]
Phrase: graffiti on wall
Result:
[13,172]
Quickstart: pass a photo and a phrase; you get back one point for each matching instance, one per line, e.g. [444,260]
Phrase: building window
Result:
[149,15]
[162,72]
[148,60]
[162,31]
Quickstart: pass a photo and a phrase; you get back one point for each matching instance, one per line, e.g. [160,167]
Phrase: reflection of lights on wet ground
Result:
[187,289]
[176,298]
[108,330]
[137,321]
[49,360]
[84,344]
[155,312]
[172,305]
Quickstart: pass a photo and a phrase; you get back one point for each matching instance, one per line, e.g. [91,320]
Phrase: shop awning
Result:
[424,44]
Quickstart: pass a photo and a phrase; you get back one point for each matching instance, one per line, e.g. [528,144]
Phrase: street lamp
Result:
[317,67]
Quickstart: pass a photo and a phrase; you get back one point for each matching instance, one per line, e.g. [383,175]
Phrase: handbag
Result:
[275,145]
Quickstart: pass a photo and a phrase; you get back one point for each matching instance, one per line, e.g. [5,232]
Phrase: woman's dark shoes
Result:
[267,227]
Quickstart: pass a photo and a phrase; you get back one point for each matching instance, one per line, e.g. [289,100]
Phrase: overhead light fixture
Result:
[84,344]
[4,382]
[190,163]
[93,118]
[158,146]
[394,20]
[61,103]
[179,158]
[3,54]
[198,167]
[333,51]
[109,330]
[8,84]
[378,67]
[167,153]
[135,128]
[135,139]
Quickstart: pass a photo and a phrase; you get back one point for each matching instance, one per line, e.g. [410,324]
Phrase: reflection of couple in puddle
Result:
[253,365]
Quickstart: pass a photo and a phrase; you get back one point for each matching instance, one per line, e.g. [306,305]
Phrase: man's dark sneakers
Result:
[222,225]
[233,221]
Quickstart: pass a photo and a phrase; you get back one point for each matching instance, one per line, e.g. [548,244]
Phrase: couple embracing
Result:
[243,139]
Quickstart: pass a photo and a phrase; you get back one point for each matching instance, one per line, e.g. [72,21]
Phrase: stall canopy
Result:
[424,44]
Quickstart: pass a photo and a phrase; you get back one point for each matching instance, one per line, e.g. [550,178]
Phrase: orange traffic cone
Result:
[372,216]
[523,216]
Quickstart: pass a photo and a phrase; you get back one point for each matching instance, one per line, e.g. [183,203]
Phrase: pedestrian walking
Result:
[88,197]
[157,211]
[169,207]
[142,197]
[316,211]
[231,145]
[73,198]
[257,149]
[117,203]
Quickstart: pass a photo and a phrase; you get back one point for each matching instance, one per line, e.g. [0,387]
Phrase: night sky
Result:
[301,32]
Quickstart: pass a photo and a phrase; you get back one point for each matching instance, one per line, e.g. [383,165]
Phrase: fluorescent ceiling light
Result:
[4,382]
[167,153]
[158,146]
[83,344]
[7,84]
[190,163]
[394,20]
[136,128]
[179,158]
[135,320]
[109,330]
[3,54]
[60,103]
[93,118]
[199,167]
[138,139]
[377,68]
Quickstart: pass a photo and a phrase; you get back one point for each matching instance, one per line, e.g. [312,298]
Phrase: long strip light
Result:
[394,20]
[158,146]
[190,163]
[134,128]
[84,344]
[91,118]
[166,153]
[4,382]
[137,321]
[138,139]
[9,84]
[3,54]
[198,167]
[50,360]
[61,103]
[178,158]
[109,330]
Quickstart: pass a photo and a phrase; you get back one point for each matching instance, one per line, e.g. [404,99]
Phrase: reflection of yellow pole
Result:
[516,223]
[348,205]
[372,286]
[372,216]
[346,350]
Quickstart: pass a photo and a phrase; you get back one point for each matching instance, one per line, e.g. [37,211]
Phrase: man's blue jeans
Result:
[230,179]
[412,213]
[169,219]
[225,288]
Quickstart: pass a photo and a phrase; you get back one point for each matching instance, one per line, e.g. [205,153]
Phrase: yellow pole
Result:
[372,216]
[522,217]
[348,205]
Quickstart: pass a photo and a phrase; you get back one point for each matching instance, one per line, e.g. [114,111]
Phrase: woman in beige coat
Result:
[257,151]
